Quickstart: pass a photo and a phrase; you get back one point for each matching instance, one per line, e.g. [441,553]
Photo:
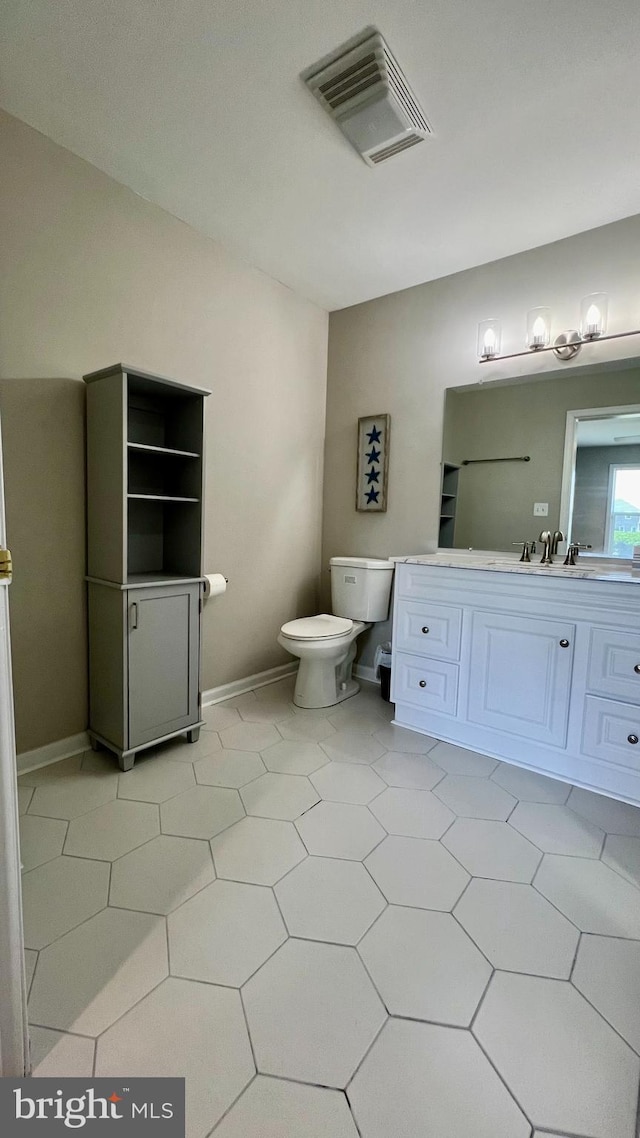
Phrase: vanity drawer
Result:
[614,663]
[429,684]
[431,630]
[609,729]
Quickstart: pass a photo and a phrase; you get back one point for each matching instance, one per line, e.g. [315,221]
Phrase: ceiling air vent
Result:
[362,87]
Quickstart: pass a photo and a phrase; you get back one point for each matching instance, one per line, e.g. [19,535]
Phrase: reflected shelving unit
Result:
[448,503]
[145,480]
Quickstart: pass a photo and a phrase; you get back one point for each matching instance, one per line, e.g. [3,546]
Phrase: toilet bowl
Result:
[326,652]
[326,644]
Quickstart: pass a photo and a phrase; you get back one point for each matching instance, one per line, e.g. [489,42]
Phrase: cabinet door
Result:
[163,646]
[520,675]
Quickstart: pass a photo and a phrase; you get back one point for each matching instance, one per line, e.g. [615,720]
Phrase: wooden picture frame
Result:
[373,463]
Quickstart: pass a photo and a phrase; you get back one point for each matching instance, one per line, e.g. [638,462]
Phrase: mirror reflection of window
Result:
[606,503]
[624,511]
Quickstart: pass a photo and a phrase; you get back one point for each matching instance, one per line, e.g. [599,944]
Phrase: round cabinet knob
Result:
[564,643]
[423,684]
[425,630]
[632,738]
[637,669]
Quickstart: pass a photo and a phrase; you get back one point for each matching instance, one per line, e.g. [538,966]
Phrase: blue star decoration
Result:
[374,434]
[372,495]
[372,476]
[373,455]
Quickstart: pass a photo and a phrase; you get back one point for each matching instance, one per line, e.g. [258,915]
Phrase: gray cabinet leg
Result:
[95,745]
[125,762]
[193,735]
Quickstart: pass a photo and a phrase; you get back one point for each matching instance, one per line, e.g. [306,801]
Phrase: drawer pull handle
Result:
[425,630]
[423,684]
[632,738]
[637,669]
[564,643]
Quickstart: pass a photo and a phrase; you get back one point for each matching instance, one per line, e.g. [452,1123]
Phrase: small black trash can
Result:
[382,669]
[385,683]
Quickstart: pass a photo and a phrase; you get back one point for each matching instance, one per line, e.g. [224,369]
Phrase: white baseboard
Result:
[239,687]
[362,672]
[75,744]
[64,748]
[52,752]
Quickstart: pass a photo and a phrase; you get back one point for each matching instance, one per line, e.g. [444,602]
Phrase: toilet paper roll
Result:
[214,585]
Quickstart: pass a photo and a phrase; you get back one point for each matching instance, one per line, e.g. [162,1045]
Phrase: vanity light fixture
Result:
[593,326]
[538,328]
[488,339]
[593,316]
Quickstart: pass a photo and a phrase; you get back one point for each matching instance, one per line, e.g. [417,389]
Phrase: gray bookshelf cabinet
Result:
[145,491]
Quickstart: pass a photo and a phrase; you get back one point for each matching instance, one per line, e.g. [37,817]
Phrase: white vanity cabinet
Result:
[536,669]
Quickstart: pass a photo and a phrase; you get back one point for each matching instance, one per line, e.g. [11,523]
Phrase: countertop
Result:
[496,562]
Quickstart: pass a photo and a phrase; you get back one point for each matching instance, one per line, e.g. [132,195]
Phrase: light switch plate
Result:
[540,509]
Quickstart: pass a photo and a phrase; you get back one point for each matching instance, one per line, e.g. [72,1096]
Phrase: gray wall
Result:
[590,500]
[93,274]
[495,501]
[399,353]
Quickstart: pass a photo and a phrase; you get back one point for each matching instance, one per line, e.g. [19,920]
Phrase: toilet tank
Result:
[361,587]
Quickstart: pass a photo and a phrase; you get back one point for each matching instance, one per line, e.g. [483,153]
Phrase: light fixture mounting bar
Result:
[577,343]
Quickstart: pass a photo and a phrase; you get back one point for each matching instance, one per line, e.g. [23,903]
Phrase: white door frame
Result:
[14,1036]
[569,463]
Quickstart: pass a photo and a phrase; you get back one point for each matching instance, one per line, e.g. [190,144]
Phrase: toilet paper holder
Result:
[214,585]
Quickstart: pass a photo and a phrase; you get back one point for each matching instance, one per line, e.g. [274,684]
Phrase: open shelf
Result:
[162,419]
[163,475]
[163,536]
[159,578]
[164,512]
[147,448]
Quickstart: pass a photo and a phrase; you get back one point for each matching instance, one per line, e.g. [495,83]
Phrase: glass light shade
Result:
[488,339]
[593,315]
[538,328]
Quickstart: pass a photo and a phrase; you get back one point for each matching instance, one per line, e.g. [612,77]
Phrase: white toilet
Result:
[326,645]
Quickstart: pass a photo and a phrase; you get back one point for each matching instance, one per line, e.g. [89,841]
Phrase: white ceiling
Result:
[613,430]
[198,106]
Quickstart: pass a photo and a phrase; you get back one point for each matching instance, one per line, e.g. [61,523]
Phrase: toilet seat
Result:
[323,627]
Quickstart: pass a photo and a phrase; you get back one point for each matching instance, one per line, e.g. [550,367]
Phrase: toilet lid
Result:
[321,627]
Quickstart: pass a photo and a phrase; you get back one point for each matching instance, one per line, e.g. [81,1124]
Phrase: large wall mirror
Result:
[570,444]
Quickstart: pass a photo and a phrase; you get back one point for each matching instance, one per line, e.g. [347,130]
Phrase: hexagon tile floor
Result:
[334,927]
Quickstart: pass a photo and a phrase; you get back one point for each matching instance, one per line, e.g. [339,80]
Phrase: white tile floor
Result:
[402,938]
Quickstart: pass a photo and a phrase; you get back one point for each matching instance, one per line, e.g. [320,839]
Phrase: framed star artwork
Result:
[373,463]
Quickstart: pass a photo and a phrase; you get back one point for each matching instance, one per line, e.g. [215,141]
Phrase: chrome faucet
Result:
[526,545]
[555,541]
[546,539]
[573,551]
